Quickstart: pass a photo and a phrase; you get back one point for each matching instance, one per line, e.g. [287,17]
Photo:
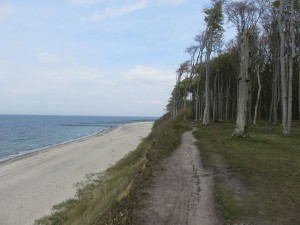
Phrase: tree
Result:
[214,31]
[286,27]
[244,15]
[198,68]
[177,92]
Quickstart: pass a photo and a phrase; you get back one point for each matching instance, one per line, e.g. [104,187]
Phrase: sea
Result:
[23,134]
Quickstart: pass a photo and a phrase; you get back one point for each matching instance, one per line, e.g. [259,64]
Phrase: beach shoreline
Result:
[31,184]
[29,153]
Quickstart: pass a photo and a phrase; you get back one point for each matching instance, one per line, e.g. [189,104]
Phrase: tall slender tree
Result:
[214,31]
[244,15]
[286,27]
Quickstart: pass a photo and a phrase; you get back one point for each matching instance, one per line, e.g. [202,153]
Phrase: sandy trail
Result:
[183,190]
[30,186]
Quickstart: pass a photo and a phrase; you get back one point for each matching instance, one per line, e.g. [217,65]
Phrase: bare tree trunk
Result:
[291,68]
[227,102]
[283,71]
[197,103]
[214,99]
[234,107]
[276,94]
[278,99]
[273,94]
[243,87]
[258,96]
[290,96]
[299,87]
[220,97]
[250,102]
[206,114]
[201,108]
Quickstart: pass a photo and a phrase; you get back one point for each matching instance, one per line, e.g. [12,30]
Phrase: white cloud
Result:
[70,75]
[150,102]
[53,58]
[147,86]
[120,11]
[170,1]
[87,2]
[48,57]
[140,72]
[83,2]
[6,9]
[129,7]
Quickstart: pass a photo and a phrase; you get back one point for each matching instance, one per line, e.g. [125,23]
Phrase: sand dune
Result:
[31,185]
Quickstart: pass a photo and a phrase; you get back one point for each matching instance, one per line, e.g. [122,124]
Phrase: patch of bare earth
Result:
[183,192]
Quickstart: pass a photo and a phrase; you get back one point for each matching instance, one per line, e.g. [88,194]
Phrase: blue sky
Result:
[93,57]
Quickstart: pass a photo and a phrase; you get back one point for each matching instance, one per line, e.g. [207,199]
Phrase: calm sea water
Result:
[23,134]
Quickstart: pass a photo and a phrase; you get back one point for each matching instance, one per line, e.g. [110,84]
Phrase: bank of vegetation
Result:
[115,196]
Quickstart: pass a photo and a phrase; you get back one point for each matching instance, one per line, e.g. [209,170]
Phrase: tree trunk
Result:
[299,87]
[291,69]
[243,87]
[197,103]
[227,102]
[214,100]
[250,102]
[278,99]
[201,108]
[220,97]
[283,71]
[234,107]
[276,94]
[206,114]
[271,112]
[258,97]
[185,99]
[290,96]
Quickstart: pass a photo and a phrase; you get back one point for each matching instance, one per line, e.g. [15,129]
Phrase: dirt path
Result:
[183,191]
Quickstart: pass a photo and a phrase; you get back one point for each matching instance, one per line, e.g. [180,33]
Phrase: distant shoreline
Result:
[27,153]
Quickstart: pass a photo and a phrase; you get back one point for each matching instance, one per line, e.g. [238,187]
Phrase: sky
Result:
[93,57]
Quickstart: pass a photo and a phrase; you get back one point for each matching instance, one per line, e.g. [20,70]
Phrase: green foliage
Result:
[214,16]
[276,3]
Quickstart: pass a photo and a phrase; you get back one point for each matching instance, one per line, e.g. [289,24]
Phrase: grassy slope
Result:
[257,178]
[115,196]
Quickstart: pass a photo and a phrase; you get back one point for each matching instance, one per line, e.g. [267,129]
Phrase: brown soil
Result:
[183,192]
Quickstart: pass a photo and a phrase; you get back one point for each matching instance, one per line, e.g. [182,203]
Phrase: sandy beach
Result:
[31,185]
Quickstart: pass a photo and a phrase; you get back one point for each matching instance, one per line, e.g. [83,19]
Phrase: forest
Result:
[253,77]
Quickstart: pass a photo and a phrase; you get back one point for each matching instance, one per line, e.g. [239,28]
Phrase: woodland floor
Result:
[257,177]
[182,190]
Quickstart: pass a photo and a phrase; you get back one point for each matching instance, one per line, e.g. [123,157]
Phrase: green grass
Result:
[258,177]
[115,196]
